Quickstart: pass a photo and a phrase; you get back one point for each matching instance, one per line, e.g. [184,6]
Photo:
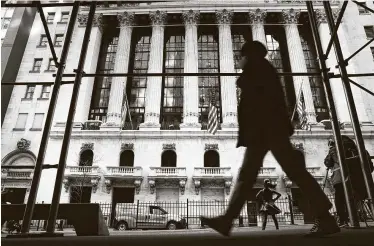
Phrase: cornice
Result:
[164,134]
[207,7]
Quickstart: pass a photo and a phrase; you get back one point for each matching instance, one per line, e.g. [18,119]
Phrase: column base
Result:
[317,127]
[190,126]
[149,126]
[110,127]
[365,126]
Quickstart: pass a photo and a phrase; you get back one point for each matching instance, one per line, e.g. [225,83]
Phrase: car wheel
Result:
[172,226]
[122,226]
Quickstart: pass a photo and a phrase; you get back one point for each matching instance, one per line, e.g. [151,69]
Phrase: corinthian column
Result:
[356,92]
[118,86]
[85,91]
[154,84]
[190,84]
[257,19]
[228,87]
[297,61]
[335,83]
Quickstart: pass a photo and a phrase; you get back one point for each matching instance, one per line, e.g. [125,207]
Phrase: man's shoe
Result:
[324,226]
[219,224]
[343,225]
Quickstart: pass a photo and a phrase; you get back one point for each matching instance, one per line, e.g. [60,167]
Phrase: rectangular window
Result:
[99,104]
[5,23]
[30,92]
[362,10]
[59,38]
[50,17]
[46,90]
[51,65]
[369,30]
[64,17]
[172,95]
[38,121]
[208,62]
[37,65]
[43,41]
[372,51]
[21,121]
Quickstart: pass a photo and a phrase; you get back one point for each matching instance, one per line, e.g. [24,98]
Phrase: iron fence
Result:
[159,215]
[186,214]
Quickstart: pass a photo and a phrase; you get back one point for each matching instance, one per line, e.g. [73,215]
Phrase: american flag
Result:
[301,111]
[212,118]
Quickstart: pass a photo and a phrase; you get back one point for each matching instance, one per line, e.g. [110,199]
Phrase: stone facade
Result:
[148,143]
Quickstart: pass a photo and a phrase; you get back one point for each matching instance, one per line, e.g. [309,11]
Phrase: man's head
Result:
[252,50]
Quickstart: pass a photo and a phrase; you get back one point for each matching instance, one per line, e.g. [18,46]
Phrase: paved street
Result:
[240,236]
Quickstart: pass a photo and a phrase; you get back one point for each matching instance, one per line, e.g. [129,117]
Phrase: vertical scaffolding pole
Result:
[69,124]
[353,216]
[352,110]
[48,123]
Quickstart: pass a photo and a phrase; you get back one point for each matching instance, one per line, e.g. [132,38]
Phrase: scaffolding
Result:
[79,74]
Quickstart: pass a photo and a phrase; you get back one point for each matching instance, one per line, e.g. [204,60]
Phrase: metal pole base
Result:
[35,235]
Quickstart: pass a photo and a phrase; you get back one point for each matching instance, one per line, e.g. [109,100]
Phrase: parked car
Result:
[146,217]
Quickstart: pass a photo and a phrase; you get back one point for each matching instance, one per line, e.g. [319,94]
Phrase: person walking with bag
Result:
[264,125]
[267,206]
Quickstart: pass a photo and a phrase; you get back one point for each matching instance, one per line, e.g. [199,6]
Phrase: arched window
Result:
[86,158]
[169,159]
[126,159]
[211,159]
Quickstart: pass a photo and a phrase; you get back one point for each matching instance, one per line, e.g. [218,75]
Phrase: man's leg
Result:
[293,165]
[252,162]
[340,204]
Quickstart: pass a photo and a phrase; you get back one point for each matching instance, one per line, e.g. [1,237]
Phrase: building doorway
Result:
[120,195]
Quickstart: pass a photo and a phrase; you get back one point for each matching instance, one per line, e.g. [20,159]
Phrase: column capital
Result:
[257,16]
[125,19]
[290,16]
[321,16]
[191,17]
[224,16]
[97,21]
[158,17]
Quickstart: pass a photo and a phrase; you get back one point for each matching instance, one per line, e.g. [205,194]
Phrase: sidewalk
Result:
[69,232]
[240,237]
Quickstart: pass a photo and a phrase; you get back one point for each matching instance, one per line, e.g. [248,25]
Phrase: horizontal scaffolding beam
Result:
[45,5]
[35,83]
[177,74]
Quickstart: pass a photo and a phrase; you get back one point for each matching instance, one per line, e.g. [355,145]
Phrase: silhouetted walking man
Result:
[264,125]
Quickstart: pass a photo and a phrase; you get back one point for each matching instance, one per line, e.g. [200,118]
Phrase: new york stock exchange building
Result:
[145,138]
